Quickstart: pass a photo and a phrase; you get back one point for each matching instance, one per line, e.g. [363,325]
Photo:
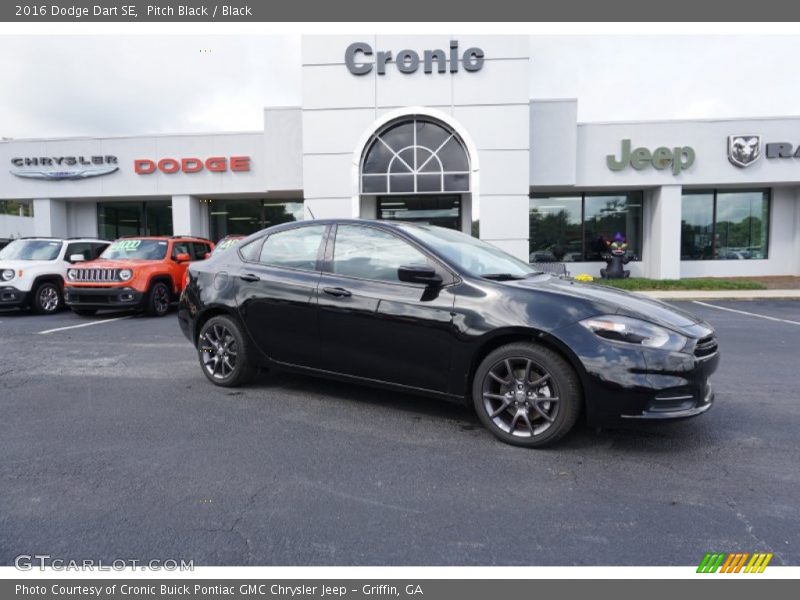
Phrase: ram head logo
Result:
[744,150]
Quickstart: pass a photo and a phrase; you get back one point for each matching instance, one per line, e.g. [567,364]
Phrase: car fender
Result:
[163,277]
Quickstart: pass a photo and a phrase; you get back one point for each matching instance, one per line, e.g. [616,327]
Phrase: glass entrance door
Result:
[243,217]
[442,210]
[117,219]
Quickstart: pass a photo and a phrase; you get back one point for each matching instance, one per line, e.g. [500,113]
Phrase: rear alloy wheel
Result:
[47,299]
[223,353]
[158,300]
[526,395]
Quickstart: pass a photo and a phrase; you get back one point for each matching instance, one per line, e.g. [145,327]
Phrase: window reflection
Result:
[577,227]
[724,225]
[118,219]
[243,217]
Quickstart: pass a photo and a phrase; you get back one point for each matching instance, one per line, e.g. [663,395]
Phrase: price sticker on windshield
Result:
[126,245]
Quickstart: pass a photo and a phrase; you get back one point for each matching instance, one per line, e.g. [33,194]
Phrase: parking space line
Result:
[89,324]
[749,314]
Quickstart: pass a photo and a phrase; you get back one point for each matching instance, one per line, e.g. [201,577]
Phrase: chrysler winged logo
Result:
[62,168]
[744,150]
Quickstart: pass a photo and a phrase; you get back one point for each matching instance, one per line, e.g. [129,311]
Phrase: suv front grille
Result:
[706,346]
[96,275]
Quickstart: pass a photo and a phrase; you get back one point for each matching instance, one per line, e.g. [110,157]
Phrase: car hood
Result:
[24,265]
[601,299]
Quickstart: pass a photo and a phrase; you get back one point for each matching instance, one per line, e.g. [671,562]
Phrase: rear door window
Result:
[295,248]
[200,250]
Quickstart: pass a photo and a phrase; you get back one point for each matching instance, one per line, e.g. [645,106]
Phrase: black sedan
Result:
[433,311]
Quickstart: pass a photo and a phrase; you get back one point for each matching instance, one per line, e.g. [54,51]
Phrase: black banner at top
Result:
[254,11]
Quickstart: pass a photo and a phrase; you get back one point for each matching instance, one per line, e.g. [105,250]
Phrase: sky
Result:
[127,85]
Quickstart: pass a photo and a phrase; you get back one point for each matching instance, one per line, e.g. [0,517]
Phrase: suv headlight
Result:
[7,274]
[72,274]
[634,331]
[125,274]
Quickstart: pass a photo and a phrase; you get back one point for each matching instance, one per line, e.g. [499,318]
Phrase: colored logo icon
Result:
[734,562]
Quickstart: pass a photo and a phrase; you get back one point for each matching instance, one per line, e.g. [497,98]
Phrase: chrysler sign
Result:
[360,59]
[60,168]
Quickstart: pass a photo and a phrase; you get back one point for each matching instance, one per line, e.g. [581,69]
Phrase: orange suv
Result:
[134,272]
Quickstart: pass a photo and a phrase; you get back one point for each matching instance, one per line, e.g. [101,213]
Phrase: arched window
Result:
[416,156]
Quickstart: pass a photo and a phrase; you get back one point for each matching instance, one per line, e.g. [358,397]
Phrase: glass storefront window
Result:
[606,215]
[577,227]
[243,217]
[724,225]
[444,211]
[697,226]
[555,225]
[118,219]
[17,208]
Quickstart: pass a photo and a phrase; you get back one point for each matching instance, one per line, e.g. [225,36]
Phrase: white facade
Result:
[516,147]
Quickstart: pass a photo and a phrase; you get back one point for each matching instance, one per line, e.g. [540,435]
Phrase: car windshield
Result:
[469,254]
[31,250]
[131,249]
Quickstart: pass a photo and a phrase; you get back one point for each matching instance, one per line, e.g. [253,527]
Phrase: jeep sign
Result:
[358,61]
[678,158]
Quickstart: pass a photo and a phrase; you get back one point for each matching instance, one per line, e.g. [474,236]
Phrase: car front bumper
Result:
[95,298]
[11,297]
[623,382]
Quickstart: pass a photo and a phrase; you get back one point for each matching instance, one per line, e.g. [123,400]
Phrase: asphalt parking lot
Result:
[114,446]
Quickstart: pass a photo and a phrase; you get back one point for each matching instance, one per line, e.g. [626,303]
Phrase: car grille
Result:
[96,275]
[706,346]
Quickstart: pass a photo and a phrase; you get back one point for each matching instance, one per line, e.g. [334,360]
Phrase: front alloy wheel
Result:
[526,395]
[223,353]
[47,299]
[158,300]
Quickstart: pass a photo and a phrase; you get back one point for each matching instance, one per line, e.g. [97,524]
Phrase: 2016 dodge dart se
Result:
[430,310]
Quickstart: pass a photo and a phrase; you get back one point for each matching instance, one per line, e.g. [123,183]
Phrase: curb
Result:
[724,294]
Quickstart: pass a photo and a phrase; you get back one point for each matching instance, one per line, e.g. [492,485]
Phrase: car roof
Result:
[58,239]
[379,222]
[165,238]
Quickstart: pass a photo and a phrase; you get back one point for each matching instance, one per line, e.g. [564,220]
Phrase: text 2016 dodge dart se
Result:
[430,310]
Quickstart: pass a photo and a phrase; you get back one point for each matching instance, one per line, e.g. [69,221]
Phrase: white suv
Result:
[33,270]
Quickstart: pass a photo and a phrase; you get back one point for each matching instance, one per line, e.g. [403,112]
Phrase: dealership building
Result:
[440,129]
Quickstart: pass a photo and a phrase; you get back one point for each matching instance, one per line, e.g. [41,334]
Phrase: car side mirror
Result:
[76,258]
[183,257]
[419,274]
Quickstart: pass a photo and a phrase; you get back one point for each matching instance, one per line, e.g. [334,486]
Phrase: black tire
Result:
[521,413]
[223,353]
[159,299]
[47,298]
[85,312]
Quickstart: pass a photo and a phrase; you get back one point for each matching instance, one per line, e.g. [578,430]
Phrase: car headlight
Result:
[125,274]
[72,274]
[634,331]
[7,274]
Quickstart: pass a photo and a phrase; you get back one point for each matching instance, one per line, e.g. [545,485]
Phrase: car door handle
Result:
[336,291]
[249,277]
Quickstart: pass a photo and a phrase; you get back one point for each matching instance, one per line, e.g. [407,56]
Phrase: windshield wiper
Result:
[502,276]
